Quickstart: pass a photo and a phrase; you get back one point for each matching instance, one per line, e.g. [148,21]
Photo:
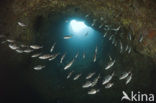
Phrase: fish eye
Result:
[60,48]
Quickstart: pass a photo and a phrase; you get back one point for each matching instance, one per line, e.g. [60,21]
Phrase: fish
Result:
[92,24]
[128,79]
[62,58]
[110,64]
[113,41]
[66,21]
[95,81]
[96,50]
[121,47]
[129,36]
[100,26]
[107,79]
[93,91]
[35,47]
[87,16]
[129,51]
[13,46]
[110,37]
[94,60]
[87,84]
[23,46]
[36,55]
[21,24]
[52,48]
[141,38]
[69,64]
[10,41]
[77,54]
[39,67]
[101,18]
[117,29]
[127,47]
[28,51]
[45,56]
[3,42]
[90,75]
[77,77]
[110,58]
[67,36]
[19,51]
[69,75]
[84,55]
[53,56]
[105,34]
[109,85]
[86,34]
[124,75]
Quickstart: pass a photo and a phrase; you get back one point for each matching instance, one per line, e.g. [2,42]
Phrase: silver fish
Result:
[121,47]
[36,55]
[110,37]
[3,42]
[35,47]
[10,41]
[84,55]
[52,48]
[113,41]
[19,51]
[90,75]
[129,78]
[69,75]
[107,79]
[141,38]
[110,58]
[13,46]
[45,56]
[87,84]
[105,34]
[77,54]
[69,64]
[23,46]
[130,37]
[117,29]
[53,56]
[96,50]
[127,47]
[87,16]
[86,34]
[67,36]
[21,24]
[100,26]
[28,51]
[94,60]
[124,75]
[93,91]
[39,67]
[129,51]
[109,85]
[101,18]
[92,24]
[77,77]
[95,81]
[62,58]
[110,64]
